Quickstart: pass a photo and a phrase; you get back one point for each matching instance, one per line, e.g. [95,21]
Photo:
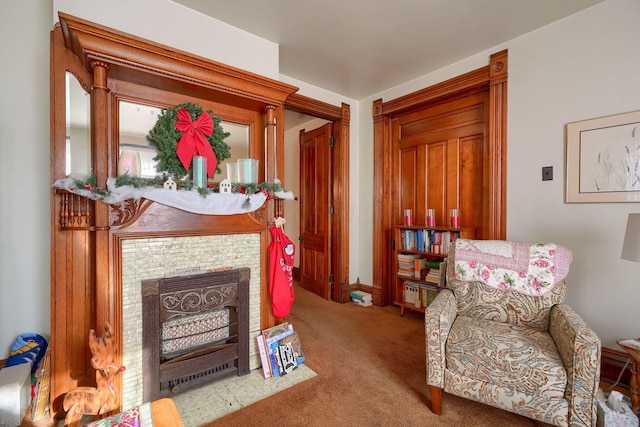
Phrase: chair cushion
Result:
[475,299]
[514,357]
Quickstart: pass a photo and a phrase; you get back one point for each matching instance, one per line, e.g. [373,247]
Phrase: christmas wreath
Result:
[184,131]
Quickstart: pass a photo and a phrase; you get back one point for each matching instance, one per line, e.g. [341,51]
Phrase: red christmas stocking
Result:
[281,252]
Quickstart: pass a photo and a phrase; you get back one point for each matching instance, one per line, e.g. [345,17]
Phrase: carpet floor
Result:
[370,366]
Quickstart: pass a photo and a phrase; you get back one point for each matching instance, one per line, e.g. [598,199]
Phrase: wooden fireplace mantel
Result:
[85,261]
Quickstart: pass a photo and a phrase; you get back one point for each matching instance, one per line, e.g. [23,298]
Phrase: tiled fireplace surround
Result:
[152,258]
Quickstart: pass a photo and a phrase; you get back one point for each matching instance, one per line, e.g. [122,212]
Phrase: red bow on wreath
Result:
[194,140]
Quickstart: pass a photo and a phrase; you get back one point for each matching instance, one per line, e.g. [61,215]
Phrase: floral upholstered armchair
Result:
[501,335]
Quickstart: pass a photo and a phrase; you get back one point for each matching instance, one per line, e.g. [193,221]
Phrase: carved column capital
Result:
[498,67]
[100,70]
[377,109]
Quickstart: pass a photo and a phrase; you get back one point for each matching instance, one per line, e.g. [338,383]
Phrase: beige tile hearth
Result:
[213,401]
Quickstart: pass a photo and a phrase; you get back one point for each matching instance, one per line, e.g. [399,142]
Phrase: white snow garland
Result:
[190,201]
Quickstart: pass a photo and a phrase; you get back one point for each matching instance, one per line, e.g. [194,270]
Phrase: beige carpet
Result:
[370,366]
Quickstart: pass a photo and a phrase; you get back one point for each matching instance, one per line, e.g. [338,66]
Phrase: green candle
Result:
[199,171]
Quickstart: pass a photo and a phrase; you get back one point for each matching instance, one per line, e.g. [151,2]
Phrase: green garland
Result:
[90,184]
[164,138]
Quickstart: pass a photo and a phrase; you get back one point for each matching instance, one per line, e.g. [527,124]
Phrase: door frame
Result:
[339,239]
[494,77]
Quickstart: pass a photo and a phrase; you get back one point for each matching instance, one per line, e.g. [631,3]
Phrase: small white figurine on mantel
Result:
[170,184]
[225,186]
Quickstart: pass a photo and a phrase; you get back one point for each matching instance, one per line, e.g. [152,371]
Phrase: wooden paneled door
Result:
[439,162]
[315,215]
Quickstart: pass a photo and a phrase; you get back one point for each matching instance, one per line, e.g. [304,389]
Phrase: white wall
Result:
[24,171]
[582,67]
[175,25]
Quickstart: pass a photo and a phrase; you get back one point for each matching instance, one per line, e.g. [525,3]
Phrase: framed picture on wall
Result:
[603,159]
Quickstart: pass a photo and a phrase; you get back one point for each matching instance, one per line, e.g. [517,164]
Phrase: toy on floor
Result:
[27,348]
[104,398]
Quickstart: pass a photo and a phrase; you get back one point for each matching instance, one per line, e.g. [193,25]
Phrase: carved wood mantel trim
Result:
[127,53]
[84,267]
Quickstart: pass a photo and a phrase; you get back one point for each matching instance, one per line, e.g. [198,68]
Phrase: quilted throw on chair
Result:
[529,268]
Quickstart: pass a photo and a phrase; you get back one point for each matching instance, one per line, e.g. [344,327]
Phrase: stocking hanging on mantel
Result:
[281,255]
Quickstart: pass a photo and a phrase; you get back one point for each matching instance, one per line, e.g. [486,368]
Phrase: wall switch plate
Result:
[547,173]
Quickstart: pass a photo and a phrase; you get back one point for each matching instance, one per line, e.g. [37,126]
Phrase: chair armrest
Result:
[438,319]
[579,347]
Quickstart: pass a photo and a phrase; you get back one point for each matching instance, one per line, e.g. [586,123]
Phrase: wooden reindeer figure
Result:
[104,398]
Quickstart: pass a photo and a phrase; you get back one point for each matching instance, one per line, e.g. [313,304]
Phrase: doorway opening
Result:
[304,116]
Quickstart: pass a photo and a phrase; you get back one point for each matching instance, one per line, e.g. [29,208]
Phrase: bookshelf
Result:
[418,253]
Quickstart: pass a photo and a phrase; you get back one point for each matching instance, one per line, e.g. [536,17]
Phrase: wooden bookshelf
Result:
[429,245]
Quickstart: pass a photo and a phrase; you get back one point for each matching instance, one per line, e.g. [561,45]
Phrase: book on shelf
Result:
[410,292]
[433,275]
[419,267]
[443,273]
[407,257]
[406,265]
[360,295]
[427,295]
[435,263]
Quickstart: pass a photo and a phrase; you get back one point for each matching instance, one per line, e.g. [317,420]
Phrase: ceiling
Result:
[357,48]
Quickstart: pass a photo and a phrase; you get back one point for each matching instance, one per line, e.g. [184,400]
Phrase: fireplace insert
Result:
[195,330]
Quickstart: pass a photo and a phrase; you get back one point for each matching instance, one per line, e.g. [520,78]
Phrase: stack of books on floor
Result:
[280,350]
[361,298]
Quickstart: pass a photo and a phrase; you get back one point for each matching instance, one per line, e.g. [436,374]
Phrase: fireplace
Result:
[152,258]
[195,330]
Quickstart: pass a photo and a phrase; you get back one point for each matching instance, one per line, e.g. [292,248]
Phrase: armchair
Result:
[501,335]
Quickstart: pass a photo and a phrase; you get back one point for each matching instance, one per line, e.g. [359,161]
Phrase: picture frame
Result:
[603,159]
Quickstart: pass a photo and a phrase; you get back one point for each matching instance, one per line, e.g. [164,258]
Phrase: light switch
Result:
[547,173]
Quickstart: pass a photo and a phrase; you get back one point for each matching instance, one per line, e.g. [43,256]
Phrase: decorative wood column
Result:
[381,204]
[274,207]
[340,218]
[100,147]
[273,158]
[498,76]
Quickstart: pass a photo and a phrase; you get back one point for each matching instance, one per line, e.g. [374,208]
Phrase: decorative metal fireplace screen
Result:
[195,330]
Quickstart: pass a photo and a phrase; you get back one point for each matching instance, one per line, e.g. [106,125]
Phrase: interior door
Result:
[315,215]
